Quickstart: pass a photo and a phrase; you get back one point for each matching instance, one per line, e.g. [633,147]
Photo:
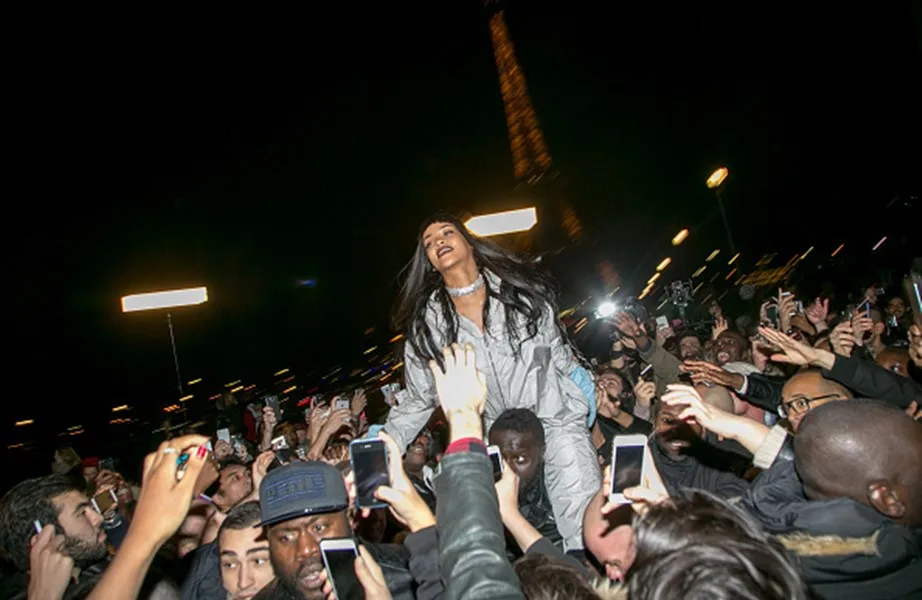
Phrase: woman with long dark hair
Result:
[466,290]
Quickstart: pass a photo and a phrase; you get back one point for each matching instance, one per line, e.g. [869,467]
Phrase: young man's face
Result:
[85,540]
[245,564]
[522,451]
[294,549]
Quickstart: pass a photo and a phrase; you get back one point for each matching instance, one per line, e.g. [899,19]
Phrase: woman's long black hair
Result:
[525,294]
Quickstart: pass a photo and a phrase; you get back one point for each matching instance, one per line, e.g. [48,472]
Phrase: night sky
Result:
[248,151]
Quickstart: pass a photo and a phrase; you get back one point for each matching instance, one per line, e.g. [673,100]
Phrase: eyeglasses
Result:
[801,404]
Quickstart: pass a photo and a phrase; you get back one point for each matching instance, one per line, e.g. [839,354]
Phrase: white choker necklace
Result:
[466,290]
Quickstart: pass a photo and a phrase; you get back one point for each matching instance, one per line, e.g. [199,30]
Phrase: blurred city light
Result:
[194,381]
[730,274]
[289,390]
[236,389]
[282,372]
[733,260]
[878,244]
[396,338]
[231,384]
[510,221]
[120,408]
[699,271]
[712,255]
[837,250]
[25,422]
[663,264]
[654,278]
[805,254]
[186,398]
[717,177]
[680,237]
[606,309]
[170,299]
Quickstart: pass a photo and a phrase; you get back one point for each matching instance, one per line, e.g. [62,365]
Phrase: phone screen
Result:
[224,434]
[369,461]
[104,501]
[341,569]
[273,403]
[626,468]
[496,460]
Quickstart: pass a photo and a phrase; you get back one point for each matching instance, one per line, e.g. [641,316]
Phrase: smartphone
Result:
[496,459]
[647,373]
[627,461]
[339,561]
[771,311]
[662,323]
[103,501]
[224,434]
[107,464]
[370,465]
[38,526]
[911,285]
[341,402]
[273,403]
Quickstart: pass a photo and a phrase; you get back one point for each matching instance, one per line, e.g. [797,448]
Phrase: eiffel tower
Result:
[532,164]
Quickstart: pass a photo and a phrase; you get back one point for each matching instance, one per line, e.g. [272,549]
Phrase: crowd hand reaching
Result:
[914,411]
[705,372]
[260,468]
[50,569]
[650,492]
[859,326]
[629,326]
[645,391]
[222,450]
[369,575]
[720,422]
[507,492]
[664,334]
[787,308]
[461,387]
[915,344]
[405,503]
[842,338]
[319,415]
[816,313]
[359,401]
[720,325]
[164,501]
[270,420]
[795,352]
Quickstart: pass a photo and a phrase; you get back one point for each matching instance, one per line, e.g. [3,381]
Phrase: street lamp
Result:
[510,221]
[168,299]
[714,183]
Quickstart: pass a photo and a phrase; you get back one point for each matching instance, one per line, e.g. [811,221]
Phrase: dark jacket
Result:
[611,428]
[472,548]
[535,506]
[203,582]
[845,549]
[694,472]
[873,381]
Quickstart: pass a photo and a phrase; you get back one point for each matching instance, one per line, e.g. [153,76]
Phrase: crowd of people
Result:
[781,460]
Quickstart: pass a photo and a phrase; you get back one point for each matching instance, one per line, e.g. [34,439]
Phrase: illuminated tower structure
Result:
[531,160]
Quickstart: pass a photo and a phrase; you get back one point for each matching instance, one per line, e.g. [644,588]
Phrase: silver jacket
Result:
[539,380]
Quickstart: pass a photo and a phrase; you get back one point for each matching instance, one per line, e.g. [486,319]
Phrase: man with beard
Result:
[301,504]
[57,500]
[614,417]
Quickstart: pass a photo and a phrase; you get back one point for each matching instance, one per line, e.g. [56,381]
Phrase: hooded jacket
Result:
[846,549]
[536,378]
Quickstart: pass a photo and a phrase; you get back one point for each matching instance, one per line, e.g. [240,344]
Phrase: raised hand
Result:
[842,338]
[402,498]
[720,422]
[629,326]
[359,401]
[260,468]
[817,312]
[507,492]
[915,344]
[50,568]
[460,387]
[645,391]
[705,372]
[720,325]
[795,352]
[222,450]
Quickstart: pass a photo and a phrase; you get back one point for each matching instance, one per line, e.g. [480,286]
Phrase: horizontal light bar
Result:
[510,221]
[194,381]
[170,299]
[120,408]
[26,422]
[282,372]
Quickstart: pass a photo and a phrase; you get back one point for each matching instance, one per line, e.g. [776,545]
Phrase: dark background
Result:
[246,151]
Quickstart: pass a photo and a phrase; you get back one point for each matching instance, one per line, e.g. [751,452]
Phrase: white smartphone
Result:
[496,459]
[224,434]
[662,323]
[342,402]
[339,561]
[627,465]
[370,464]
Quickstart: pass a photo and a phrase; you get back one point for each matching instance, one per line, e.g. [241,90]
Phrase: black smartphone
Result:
[370,466]
[339,561]
[273,403]
[496,461]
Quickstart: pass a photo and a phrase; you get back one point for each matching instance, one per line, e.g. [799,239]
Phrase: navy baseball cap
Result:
[299,489]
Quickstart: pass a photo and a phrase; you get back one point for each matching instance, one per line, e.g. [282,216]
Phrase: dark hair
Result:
[718,569]
[242,516]
[545,578]
[705,548]
[29,501]
[525,293]
[232,461]
[519,420]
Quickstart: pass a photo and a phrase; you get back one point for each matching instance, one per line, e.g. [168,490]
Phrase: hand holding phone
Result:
[496,460]
[370,465]
[339,561]
[104,501]
[224,434]
[627,465]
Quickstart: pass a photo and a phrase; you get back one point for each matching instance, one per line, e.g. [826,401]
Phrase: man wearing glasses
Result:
[805,391]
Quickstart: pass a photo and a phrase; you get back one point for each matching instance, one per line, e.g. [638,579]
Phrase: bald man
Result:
[807,390]
[850,505]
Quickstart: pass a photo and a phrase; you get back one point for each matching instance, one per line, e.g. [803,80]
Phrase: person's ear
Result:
[886,499]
